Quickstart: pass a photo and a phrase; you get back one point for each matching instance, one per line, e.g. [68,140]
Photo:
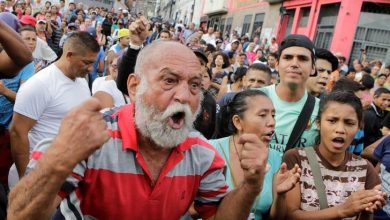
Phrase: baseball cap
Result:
[41,21]
[92,31]
[28,20]
[201,54]
[297,40]
[235,41]
[72,25]
[218,41]
[125,11]
[124,32]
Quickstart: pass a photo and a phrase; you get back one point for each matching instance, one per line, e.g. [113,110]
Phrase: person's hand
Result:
[285,179]
[254,158]
[82,132]
[363,200]
[378,203]
[139,30]
[38,66]
[2,87]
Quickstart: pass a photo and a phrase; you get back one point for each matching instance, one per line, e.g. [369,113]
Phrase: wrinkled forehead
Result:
[178,60]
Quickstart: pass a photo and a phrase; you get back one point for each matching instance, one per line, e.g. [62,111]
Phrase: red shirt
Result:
[115,182]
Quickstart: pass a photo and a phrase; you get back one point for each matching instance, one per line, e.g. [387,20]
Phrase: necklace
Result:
[235,148]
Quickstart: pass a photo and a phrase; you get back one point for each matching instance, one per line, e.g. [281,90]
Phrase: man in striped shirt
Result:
[151,165]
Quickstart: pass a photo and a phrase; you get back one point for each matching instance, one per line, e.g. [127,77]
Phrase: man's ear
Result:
[132,82]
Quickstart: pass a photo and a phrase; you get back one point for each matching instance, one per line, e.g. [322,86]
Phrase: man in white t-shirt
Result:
[209,38]
[42,102]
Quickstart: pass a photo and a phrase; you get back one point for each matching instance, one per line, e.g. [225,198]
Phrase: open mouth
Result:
[322,84]
[338,142]
[176,120]
[267,137]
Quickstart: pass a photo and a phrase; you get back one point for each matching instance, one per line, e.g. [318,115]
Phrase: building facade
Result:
[145,7]
[254,18]
[93,3]
[345,26]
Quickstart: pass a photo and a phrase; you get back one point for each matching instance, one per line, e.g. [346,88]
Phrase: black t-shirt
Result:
[205,121]
[373,119]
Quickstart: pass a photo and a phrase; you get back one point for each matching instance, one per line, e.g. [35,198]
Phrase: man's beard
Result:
[153,124]
[292,86]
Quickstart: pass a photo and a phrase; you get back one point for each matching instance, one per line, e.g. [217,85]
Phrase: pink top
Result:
[251,56]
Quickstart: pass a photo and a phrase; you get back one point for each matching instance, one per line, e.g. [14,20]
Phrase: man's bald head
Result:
[153,54]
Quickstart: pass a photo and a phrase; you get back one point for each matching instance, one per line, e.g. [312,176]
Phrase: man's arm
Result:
[20,127]
[105,99]
[6,92]
[15,55]
[139,30]
[82,131]
[368,152]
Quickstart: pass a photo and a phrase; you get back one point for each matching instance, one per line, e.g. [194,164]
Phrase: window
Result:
[222,25]
[246,25]
[325,26]
[290,16]
[304,17]
[229,23]
[257,25]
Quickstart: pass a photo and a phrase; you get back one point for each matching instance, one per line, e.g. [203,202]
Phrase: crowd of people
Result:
[106,115]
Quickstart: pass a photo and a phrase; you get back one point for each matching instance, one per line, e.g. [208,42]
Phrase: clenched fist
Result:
[82,131]
[254,158]
[139,30]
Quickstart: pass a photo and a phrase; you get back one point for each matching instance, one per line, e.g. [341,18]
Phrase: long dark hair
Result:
[237,105]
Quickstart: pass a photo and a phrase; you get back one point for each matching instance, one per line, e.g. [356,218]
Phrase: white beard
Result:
[154,124]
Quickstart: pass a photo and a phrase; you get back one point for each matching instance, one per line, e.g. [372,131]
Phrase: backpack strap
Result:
[318,181]
[301,123]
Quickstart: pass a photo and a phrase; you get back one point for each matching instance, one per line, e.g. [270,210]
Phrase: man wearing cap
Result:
[232,47]
[40,27]
[72,27]
[326,63]
[123,42]
[125,18]
[296,65]
[42,50]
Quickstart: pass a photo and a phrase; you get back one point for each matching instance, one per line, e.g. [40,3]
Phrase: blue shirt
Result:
[357,144]
[6,106]
[263,202]
[100,56]
[382,152]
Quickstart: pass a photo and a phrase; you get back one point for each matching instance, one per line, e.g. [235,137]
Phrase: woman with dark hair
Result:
[55,14]
[251,111]
[218,72]
[334,184]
